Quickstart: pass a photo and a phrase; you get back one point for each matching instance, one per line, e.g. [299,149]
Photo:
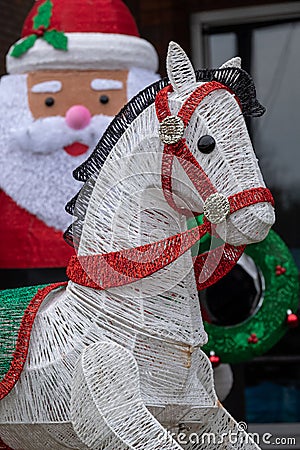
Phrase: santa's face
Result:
[76,98]
[49,123]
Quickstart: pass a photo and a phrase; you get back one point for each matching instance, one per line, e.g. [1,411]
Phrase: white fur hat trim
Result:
[87,51]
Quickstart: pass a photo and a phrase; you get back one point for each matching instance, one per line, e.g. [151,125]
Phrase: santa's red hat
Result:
[80,35]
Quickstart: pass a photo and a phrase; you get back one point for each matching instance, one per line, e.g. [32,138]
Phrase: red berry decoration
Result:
[292,319]
[280,270]
[40,31]
[253,339]
[214,359]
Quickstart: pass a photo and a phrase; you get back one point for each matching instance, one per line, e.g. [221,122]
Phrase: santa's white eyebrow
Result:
[101,84]
[51,87]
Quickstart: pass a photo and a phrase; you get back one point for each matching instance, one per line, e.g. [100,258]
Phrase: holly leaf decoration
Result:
[41,23]
[43,15]
[24,46]
[57,39]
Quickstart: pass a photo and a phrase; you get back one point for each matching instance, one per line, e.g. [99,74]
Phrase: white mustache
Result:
[52,134]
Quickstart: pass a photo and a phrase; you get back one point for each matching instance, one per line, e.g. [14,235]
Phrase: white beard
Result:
[49,136]
[36,172]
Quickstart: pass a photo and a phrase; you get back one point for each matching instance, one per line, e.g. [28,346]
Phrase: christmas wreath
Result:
[272,315]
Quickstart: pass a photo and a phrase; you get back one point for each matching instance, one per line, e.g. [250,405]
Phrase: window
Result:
[267,38]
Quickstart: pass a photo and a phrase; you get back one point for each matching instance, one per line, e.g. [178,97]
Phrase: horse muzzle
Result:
[249,215]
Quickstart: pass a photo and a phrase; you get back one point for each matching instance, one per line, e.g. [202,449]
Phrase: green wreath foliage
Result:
[268,324]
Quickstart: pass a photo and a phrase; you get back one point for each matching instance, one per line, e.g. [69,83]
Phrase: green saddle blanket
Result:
[18,308]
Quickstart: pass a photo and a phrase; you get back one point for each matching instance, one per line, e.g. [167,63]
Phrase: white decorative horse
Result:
[115,356]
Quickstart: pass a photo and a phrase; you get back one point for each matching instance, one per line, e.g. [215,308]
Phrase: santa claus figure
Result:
[77,64]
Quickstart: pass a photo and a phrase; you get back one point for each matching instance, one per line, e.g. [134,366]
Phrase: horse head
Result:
[202,125]
[185,140]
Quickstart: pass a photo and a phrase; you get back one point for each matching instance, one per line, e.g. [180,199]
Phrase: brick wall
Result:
[160,21]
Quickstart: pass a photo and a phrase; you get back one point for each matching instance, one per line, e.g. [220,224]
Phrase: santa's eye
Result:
[104,99]
[206,144]
[49,101]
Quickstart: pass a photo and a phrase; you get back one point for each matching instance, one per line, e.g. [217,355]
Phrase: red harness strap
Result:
[189,163]
[192,169]
[119,268]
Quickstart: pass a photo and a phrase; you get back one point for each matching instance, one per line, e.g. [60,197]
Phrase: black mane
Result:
[237,80]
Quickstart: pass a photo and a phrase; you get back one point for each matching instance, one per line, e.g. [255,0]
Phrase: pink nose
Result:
[78,117]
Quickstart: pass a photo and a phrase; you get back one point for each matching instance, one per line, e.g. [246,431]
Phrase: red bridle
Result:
[119,268]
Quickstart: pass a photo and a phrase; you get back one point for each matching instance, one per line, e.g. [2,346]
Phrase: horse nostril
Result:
[78,117]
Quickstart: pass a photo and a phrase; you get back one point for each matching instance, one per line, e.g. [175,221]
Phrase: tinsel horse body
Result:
[115,357]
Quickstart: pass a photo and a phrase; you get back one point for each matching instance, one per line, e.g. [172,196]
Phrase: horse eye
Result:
[49,101]
[206,144]
[104,99]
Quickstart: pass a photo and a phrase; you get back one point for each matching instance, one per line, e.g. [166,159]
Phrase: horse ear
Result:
[180,70]
[233,62]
